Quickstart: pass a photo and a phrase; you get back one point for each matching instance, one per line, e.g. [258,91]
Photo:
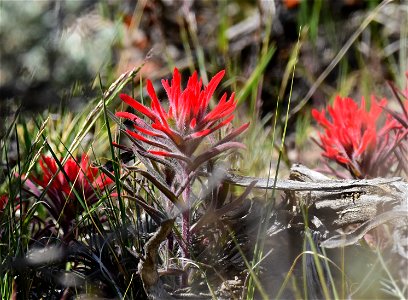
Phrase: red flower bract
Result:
[353,137]
[187,117]
[3,202]
[59,186]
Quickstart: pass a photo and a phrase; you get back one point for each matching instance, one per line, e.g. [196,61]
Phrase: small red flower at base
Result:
[62,201]
[353,137]
[3,202]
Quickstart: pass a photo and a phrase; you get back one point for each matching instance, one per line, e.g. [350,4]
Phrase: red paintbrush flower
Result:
[187,119]
[176,132]
[354,138]
[62,188]
[3,202]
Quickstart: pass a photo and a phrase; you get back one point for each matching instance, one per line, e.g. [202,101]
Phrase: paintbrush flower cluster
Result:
[180,129]
[364,141]
[68,190]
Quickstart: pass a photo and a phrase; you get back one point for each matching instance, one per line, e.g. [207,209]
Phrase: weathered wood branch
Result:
[339,203]
[148,266]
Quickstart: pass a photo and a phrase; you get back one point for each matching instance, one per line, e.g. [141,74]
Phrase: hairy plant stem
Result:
[185,227]
[170,238]
[186,232]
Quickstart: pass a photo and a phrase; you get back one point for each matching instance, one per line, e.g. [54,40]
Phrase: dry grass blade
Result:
[108,96]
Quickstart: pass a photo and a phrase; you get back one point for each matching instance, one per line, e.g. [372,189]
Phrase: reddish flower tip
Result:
[187,116]
[160,153]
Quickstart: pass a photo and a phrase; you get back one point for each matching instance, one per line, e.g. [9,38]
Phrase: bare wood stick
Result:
[339,203]
[148,266]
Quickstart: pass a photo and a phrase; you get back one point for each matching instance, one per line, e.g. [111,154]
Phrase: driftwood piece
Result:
[339,203]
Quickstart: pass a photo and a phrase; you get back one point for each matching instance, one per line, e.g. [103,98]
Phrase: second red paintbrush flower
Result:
[66,187]
[354,138]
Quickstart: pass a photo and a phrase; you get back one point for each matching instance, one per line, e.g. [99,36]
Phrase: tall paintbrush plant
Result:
[170,141]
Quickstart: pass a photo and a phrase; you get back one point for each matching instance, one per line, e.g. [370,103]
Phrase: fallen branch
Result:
[339,203]
[148,266]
